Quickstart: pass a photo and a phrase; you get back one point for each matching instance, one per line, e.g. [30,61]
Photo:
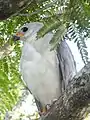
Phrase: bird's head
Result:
[28,31]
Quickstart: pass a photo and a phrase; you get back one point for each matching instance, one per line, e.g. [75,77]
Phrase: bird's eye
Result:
[24,29]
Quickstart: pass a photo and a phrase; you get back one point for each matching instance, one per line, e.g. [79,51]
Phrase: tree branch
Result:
[10,7]
[6,50]
[74,103]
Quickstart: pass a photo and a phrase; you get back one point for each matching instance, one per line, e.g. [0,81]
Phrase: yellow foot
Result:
[44,110]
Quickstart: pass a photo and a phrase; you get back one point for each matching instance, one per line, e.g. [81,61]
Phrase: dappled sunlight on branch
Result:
[88,117]
[6,50]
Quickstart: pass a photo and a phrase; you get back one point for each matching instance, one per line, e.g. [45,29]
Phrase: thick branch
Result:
[9,7]
[74,103]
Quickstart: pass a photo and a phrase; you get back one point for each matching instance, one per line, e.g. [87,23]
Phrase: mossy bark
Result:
[10,7]
[75,101]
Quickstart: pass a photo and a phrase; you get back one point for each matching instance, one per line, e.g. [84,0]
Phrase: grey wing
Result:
[67,64]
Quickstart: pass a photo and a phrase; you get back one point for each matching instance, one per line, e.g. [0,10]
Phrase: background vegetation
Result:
[68,19]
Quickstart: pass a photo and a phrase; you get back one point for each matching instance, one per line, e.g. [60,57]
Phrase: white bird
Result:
[46,73]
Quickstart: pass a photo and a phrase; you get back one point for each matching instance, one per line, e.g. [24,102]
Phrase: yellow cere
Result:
[20,34]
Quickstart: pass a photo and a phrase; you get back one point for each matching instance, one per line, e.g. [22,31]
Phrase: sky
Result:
[76,54]
[28,107]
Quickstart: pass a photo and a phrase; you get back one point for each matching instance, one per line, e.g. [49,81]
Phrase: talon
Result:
[48,106]
[45,110]
[54,100]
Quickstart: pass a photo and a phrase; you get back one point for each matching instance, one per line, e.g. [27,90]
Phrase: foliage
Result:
[73,15]
[66,18]
[10,83]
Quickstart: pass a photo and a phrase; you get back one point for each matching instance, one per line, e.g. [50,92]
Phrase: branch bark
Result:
[75,101]
[6,50]
[10,7]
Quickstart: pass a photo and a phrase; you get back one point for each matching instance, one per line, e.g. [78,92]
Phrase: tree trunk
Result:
[74,103]
[9,7]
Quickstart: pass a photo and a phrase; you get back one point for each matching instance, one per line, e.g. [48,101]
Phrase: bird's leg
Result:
[43,112]
[46,108]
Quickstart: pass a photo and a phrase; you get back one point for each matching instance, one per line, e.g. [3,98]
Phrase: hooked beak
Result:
[18,36]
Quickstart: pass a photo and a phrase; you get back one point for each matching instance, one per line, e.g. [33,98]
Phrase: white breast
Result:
[41,73]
